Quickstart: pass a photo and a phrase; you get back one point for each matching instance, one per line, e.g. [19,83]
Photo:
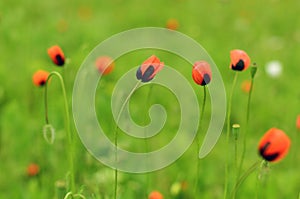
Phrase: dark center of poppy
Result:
[206,79]
[59,60]
[147,74]
[42,82]
[269,157]
[239,66]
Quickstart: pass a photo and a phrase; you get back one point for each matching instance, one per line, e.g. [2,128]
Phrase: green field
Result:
[267,31]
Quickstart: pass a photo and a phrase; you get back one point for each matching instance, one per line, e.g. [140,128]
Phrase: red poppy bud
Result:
[33,169]
[57,56]
[39,78]
[239,60]
[274,145]
[201,73]
[147,71]
[105,65]
[155,195]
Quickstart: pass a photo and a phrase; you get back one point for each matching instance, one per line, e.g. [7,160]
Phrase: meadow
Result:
[267,31]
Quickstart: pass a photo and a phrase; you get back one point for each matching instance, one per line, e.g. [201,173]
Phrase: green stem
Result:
[244,176]
[228,133]
[67,123]
[246,127]
[198,141]
[116,136]
[146,142]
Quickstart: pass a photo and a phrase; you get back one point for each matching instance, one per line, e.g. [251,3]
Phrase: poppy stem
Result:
[244,176]
[198,141]
[67,125]
[253,71]
[228,133]
[146,143]
[116,135]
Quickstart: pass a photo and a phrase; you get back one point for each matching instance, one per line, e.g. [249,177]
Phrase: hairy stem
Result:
[67,125]
[227,135]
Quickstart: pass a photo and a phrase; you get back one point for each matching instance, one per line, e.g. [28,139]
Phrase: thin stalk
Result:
[228,133]
[243,177]
[198,141]
[146,142]
[246,127]
[67,125]
[116,136]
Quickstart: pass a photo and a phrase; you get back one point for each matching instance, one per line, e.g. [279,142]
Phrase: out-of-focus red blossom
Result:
[33,169]
[172,24]
[246,86]
[239,60]
[274,145]
[155,195]
[57,56]
[149,68]
[39,78]
[201,73]
[298,122]
[105,65]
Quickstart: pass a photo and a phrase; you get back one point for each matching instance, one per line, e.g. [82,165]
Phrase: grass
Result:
[268,31]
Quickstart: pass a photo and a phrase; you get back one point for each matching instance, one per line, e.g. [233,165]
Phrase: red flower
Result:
[39,78]
[155,195]
[298,122]
[246,86]
[172,24]
[147,71]
[239,60]
[274,145]
[105,65]
[201,73]
[57,56]
[33,169]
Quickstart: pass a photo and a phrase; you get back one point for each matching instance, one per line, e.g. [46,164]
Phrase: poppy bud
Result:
[239,60]
[39,78]
[57,56]
[104,65]
[274,145]
[147,71]
[155,195]
[201,73]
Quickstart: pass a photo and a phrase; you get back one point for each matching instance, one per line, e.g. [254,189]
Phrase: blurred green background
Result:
[268,30]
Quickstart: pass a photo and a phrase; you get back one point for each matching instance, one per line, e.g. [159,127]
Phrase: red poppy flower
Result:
[155,195]
[274,145]
[239,60]
[246,86]
[105,65]
[172,24]
[57,56]
[33,169]
[298,122]
[147,71]
[201,73]
[39,78]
